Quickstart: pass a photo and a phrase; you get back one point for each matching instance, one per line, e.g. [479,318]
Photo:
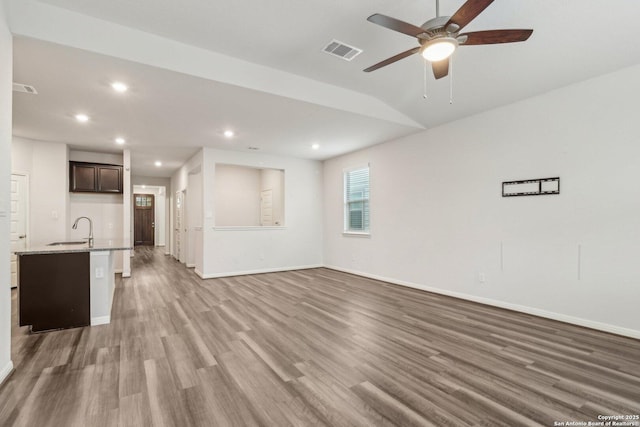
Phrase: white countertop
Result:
[98,245]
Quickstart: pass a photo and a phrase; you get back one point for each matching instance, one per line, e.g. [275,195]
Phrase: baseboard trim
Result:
[604,327]
[258,271]
[191,266]
[6,371]
[100,320]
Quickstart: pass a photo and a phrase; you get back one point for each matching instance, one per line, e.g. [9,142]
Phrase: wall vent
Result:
[341,50]
[19,87]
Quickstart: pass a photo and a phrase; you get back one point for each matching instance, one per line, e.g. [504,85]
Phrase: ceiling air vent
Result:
[342,50]
[19,87]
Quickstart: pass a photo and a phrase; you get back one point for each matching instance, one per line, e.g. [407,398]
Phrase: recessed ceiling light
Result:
[82,118]
[119,87]
[120,141]
[158,163]
[228,133]
[315,146]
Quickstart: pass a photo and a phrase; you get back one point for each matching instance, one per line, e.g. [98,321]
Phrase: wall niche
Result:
[248,197]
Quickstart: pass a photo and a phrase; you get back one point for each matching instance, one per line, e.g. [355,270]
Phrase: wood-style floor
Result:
[307,348]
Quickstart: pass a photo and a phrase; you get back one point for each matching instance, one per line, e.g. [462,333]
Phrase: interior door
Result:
[177,231]
[19,194]
[143,219]
[184,234]
[266,207]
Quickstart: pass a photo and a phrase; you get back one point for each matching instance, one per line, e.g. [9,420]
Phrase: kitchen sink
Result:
[76,242]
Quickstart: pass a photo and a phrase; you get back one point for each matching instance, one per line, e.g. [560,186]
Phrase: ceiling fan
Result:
[439,37]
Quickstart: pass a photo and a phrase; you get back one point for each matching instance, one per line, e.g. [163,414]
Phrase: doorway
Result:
[18,236]
[143,220]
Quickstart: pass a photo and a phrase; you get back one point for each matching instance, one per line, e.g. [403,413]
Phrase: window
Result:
[144,201]
[356,200]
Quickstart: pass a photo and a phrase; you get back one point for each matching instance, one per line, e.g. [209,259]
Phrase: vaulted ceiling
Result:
[198,67]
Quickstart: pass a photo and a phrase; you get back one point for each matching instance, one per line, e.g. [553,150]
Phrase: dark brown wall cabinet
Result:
[94,178]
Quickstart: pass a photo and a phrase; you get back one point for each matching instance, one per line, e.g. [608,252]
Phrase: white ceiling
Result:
[171,114]
[166,115]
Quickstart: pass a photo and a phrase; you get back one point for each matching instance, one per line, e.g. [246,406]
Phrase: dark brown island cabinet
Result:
[94,178]
[54,290]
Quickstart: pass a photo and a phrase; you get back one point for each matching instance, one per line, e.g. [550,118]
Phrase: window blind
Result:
[357,200]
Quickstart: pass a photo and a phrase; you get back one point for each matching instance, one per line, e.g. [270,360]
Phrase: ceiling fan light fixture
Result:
[438,49]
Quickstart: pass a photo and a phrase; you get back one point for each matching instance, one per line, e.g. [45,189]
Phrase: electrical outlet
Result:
[99,273]
[481,278]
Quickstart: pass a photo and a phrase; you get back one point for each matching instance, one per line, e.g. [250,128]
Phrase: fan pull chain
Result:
[451,80]
[424,81]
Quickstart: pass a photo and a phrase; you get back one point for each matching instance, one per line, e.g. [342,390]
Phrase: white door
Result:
[184,236]
[19,194]
[266,207]
[178,226]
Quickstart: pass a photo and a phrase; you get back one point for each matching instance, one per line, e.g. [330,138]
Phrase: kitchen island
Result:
[66,284]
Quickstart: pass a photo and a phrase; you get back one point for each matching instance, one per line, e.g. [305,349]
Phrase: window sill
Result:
[250,228]
[356,234]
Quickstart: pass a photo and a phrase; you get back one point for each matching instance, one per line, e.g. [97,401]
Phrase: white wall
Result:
[6,72]
[237,195]
[93,157]
[298,244]
[179,180]
[21,155]
[47,167]
[438,218]
[105,211]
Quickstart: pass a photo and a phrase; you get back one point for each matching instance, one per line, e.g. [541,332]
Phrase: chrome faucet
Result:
[75,226]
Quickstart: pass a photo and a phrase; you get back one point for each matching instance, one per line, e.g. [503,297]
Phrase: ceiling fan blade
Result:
[395,24]
[468,12]
[496,36]
[440,68]
[392,59]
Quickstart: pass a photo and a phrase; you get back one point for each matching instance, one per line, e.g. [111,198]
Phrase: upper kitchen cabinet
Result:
[94,178]
[109,178]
